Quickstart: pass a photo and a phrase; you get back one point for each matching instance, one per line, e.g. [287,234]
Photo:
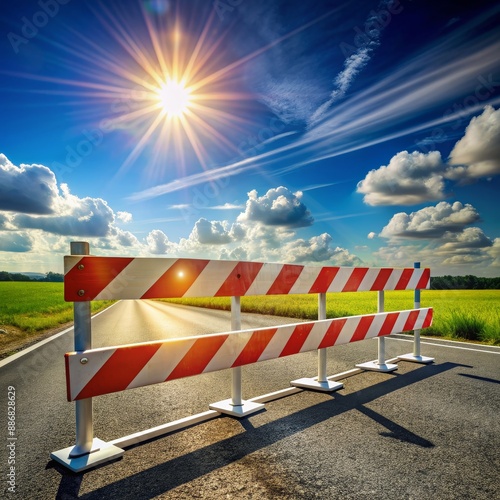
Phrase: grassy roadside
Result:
[30,311]
[471,315]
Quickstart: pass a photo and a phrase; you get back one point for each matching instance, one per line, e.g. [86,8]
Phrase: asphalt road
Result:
[420,432]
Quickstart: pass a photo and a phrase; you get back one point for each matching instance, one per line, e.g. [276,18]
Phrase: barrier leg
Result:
[236,406]
[88,451]
[415,356]
[321,383]
[379,365]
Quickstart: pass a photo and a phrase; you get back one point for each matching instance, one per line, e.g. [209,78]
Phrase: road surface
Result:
[420,432]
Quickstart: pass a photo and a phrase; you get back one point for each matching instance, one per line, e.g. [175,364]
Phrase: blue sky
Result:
[326,133]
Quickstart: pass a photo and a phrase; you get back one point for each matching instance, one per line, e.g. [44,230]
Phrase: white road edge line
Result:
[444,345]
[20,354]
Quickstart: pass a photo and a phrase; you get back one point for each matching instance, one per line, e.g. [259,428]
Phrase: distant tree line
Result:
[468,282]
[50,276]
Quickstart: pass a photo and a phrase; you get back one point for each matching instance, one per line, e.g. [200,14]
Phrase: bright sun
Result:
[174,98]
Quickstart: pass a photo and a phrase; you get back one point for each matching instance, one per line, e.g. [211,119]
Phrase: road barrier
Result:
[93,372]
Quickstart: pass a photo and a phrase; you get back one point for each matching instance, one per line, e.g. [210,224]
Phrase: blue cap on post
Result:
[416,299]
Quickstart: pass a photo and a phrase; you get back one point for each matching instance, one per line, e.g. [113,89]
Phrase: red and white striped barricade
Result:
[93,372]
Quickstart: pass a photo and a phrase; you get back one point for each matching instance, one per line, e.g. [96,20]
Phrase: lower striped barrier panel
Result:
[106,370]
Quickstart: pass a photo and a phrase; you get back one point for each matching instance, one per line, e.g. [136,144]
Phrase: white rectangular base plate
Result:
[311,383]
[416,359]
[242,410]
[373,366]
[105,453]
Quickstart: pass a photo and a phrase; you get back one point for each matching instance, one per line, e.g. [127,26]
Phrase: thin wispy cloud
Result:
[352,67]
[329,218]
[227,206]
[320,186]
[386,110]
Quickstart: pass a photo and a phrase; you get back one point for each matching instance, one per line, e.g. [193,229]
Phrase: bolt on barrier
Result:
[93,372]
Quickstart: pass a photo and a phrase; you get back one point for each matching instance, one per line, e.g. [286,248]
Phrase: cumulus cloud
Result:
[29,189]
[431,222]
[158,243]
[124,238]
[124,217]
[414,178]
[278,207]
[371,235]
[211,232]
[75,217]
[266,231]
[408,179]
[477,154]
[15,242]
[36,214]
[318,249]
[465,241]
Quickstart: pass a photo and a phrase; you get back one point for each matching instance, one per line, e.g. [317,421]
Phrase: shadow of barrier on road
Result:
[482,379]
[94,372]
[183,469]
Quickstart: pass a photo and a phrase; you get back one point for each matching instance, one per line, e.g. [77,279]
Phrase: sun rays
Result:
[162,85]
[171,91]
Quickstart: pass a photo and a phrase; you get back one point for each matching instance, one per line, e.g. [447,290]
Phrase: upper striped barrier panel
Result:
[110,278]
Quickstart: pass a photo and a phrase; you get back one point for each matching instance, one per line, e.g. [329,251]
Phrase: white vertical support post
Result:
[236,406]
[88,451]
[379,365]
[415,356]
[321,383]
[236,372]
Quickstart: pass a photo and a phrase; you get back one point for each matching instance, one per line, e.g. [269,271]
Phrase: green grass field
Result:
[458,314]
[28,309]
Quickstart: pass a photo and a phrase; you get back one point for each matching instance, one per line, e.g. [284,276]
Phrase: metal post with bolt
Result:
[236,406]
[415,356]
[379,365]
[321,383]
[88,451]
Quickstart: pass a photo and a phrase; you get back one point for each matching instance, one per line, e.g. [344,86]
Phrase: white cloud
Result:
[266,231]
[414,178]
[440,239]
[211,232]
[227,206]
[465,241]
[124,217]
[431,222]
[477,261]
[318,249]
[408,179]
[278,207]
[36,215]
[29,189]
[124,238]
[158,243]
[371,235]
[72,216]
[478,152]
